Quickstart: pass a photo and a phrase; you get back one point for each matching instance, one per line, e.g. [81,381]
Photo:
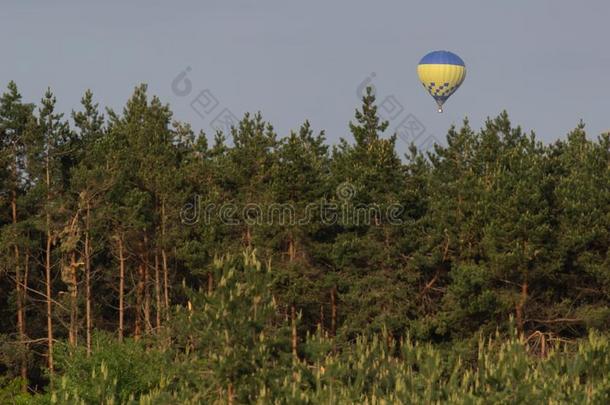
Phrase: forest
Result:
[144,263]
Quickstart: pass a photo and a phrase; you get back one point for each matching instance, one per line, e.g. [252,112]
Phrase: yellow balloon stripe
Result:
[441,80]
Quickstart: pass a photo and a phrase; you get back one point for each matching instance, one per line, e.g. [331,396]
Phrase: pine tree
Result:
[450,250]
[250,167]
[293,223]
[88,185]
[158,175]
[50,160]
[368,177]
[519,237]
[233,334]
[582,197]
[14,119]
[131,205]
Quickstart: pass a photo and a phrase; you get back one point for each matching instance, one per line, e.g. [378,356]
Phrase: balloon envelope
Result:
[441,73]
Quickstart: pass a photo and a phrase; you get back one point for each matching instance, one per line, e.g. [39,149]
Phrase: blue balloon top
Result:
[441,58]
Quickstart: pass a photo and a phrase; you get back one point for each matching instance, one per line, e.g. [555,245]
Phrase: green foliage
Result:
[231,340]
[113,373]
[373,370]
[11,392]
[229,345]
[123,216]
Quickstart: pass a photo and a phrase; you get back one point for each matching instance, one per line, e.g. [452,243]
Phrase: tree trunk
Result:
[210,282]
[291,249]
[48,281]
[121,289]
[157,292]
[88,321]
[147,321]
[293,311]
[519,307]
[164,264]
[165,283]
[322,318]
[26,272]
[333,306]
[293,319]
[73,289]
[47,266]
[139,301]
[20,288]
[248,237]
[230,394]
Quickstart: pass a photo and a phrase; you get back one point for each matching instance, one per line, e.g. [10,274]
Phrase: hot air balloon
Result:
[441,73]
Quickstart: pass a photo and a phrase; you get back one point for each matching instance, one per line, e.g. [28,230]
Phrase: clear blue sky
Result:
[546,62]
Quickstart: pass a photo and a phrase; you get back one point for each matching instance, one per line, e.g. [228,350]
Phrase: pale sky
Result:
[546,62]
